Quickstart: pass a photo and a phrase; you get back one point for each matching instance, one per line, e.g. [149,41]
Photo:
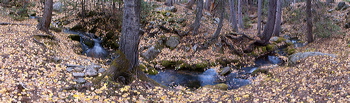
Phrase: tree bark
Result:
[199,15]
[269,27]
[46,19]
[277,29]
[233,15]
[309,22]
[207,4]
[222,12]
[259,16]
[169,3]
[190,4]
[240,15]
[129,40]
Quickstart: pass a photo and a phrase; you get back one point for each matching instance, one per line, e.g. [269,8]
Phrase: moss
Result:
[78,27]
[152,71]
[142,67]
[74,37]
[183,66]
[270,47]
[291,51]
[221,86]
[280,39]
[169,63]
[264,49]
[200,66]
[256,72]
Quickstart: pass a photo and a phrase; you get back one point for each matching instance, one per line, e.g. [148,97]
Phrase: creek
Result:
[191,79]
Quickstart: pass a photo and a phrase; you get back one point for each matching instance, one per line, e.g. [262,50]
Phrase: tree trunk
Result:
[233,15]
[269,27]
[199,14]
[259,16]
[222,12]
[190,4]
[46,19]
[169,2]
[129,40]
[277,29]
[207,4]
[240,15]
[309,22]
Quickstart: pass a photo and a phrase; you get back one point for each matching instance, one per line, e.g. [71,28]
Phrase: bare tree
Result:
[208,4]
[222,12]
[309,22]
[233,15]
[45,21]
[199,14]
[240,15]
[270,25]
[277,29]
[259,16]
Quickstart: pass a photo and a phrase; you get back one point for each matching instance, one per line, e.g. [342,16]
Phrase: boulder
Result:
[172,42]
[57,6]
[298,56]
[151,53]
[340,6]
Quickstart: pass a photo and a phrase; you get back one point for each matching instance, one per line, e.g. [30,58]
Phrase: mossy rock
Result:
[55,29]
[78,27]
[183,66]
[224,61]
[221,86]
[270,47]
[280,40]
[151,71]
[169,63]
[199,66]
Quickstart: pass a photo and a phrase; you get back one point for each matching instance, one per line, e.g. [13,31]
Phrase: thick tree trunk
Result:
[190,4]
[269,27]
[233,15]
[309,22]
[199,14]
[129,40]
[240,15]
[259,16]
[222,12]
[46,19]
[277,29]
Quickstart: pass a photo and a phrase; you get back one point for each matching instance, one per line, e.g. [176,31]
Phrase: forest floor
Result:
[33,69]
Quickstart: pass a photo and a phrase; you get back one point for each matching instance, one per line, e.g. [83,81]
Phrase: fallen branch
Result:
[13,24]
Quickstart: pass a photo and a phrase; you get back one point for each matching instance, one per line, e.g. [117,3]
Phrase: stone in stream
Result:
[225,71]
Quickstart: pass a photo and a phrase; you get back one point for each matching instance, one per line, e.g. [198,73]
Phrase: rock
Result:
[80,80]
[225,71]
[167,14]
[298,56]
[69,69]
[171,9]
[194,48]
[76,74]
[90,71]
[216,20]
[207,13]
[340,6]
[286,37]
[57,6]
[151,53]
[101,70]
[79,69]
[172,42]
[330,10]
[221,86]
[72,65]
[273,39]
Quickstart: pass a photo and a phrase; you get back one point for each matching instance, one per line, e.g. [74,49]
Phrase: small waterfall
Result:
[97,51]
